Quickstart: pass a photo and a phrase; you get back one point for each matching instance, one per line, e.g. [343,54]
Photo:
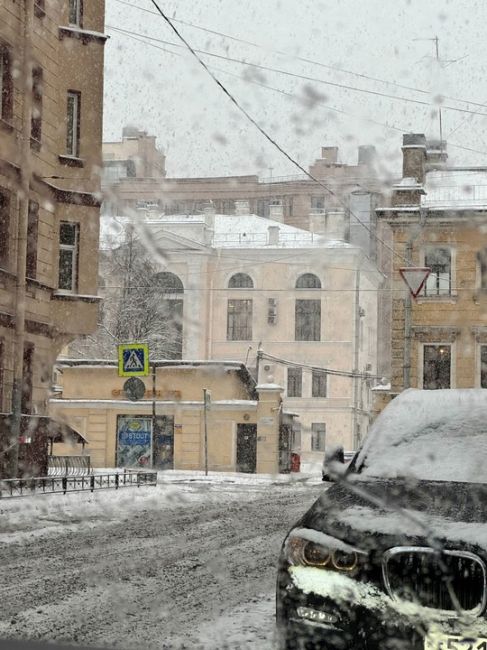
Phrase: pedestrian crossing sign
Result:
[133,360]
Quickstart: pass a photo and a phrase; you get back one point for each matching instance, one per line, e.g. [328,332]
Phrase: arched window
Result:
[167,282]
[308,281]
[240,281]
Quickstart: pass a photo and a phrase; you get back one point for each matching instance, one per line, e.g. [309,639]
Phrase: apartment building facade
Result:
[286,302]
[51,82]
[135,177]
[437,218]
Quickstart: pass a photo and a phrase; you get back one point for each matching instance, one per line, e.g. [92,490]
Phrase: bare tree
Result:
[140,303]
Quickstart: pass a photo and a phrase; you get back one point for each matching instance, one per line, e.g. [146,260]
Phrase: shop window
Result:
[436,367]
[294,382]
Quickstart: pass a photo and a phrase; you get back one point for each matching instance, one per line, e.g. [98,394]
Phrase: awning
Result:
[54,430]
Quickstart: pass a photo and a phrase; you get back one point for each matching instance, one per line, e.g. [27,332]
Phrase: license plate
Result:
[448,642]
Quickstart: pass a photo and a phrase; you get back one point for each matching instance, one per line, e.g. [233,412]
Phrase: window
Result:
[68,256]
[294,382]
[318,436]
[32,231]
[239,320]
[27,378]
[36,120]
[296,436]
[308,320]
[2,372]
[318,388]
[318,204]
[6,84]
[167,282]
[39,8]
[240,281]
[167,290]
[439,280]
[73,124]
[308,281]
[75,12]
[482,259]
[436,366]
[4,229]
[483,366]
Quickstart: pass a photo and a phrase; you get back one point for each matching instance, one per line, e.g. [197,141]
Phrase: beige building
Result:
[51,90]
[437,219]
[246,428]
[298,307]
[135,177]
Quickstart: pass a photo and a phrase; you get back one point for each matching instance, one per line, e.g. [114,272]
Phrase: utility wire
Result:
[268,137]
[328,371]
[287,73]
[333,68]
[293,96]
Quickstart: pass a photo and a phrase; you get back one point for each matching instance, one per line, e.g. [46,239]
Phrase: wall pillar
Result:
[268,420]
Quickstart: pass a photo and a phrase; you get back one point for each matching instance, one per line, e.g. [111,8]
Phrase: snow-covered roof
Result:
[221,231]
[456,188]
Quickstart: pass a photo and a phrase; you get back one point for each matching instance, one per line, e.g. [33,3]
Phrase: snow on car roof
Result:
[438,435]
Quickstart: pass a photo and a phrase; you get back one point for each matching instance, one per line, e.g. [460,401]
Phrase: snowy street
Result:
[190,563]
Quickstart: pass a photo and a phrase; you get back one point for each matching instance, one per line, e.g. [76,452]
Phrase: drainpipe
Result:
[356,359]
[23,217]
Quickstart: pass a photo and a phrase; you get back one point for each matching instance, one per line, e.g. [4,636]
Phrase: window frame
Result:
[5,225]
[318,428]
[301,328]
[73,122]
[78,10]
[294,381]
[319,383]
[75,258]
[37,105]
[32,241]
[421,369]
[438,294]
[6,84]
[234,327]
[239,275]
[317,285]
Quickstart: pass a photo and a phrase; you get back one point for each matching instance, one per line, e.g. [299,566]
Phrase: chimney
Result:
[242,208]
[413,156]
[366,155]
[276,212]
[273,238]
[329,155]
[436,154]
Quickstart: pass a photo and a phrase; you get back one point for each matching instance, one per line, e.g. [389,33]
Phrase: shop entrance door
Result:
[163,448]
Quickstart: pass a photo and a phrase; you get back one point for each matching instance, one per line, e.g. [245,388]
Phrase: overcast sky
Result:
[203,134]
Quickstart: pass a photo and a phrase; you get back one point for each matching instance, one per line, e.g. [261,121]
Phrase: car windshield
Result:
[429,436]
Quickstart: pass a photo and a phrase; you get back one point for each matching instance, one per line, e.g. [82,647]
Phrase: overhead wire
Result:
[333,68]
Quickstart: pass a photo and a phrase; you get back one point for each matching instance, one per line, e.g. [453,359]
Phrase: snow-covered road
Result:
[190,563]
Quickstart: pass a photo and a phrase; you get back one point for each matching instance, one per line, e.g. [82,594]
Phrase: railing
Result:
[68,465]
[21,487]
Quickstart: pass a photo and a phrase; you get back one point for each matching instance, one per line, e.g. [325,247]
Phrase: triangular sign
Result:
[415,277]
[133,362]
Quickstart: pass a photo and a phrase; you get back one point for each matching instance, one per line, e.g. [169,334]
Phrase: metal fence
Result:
[21,487]
[68,465]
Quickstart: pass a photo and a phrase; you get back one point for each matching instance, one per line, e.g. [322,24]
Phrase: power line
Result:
[287,73]
[390,127]
[333,68]
[329,371]
[268,137]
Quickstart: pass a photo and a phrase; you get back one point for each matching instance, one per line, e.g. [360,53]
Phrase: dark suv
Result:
[393,555]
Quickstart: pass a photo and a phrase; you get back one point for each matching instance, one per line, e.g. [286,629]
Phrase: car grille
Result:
[421,575]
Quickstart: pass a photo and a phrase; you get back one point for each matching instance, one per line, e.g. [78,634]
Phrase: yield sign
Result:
[415,277]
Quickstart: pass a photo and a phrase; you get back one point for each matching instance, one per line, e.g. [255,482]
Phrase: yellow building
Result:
[246,428]
[51,93]
[437,219]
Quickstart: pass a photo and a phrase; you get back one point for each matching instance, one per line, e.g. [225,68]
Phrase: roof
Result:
[456,188]
[221,231]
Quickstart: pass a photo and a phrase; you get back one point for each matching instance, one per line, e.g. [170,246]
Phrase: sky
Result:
[204,134]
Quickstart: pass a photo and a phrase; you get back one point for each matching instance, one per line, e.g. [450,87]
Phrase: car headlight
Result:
[304,552]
